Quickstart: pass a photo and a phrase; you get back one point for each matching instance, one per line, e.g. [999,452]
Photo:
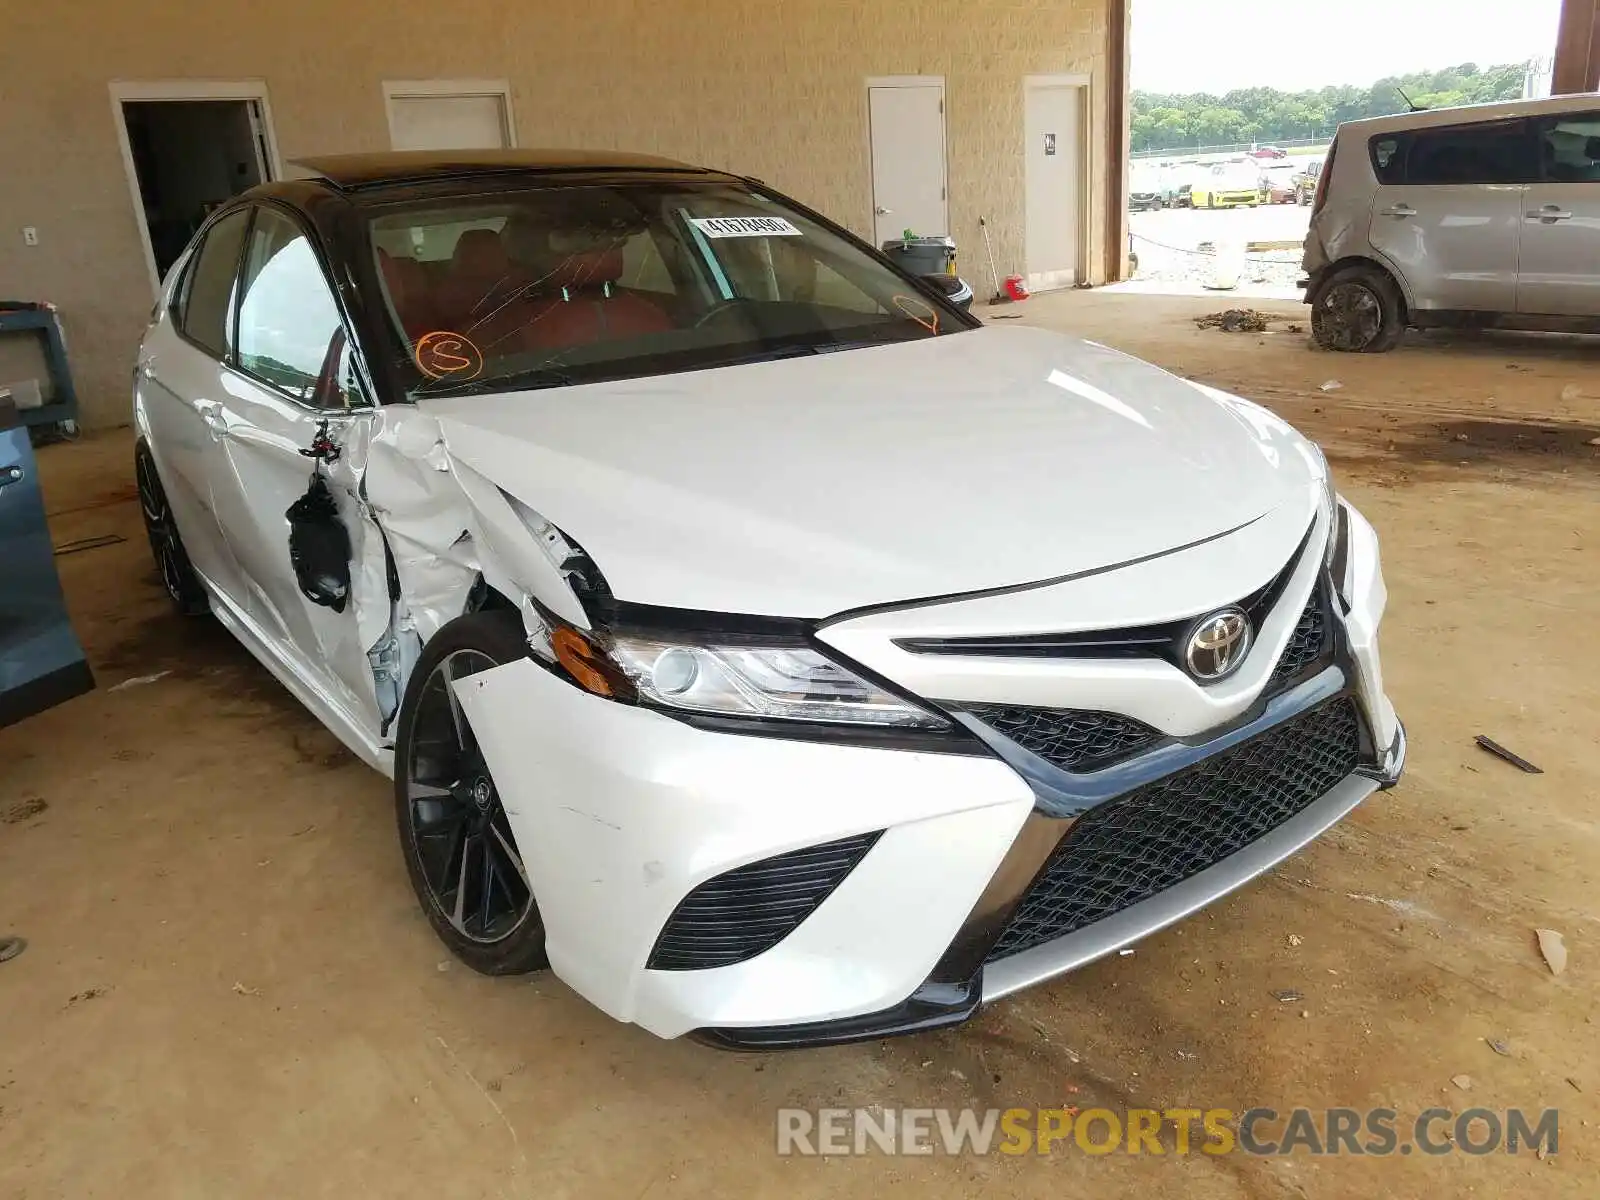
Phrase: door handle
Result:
[1401,211]
[1550,212]
[10,475]
[882,211]
[147,369]
[211,414]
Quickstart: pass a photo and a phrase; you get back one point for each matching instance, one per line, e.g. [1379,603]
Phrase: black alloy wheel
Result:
[460,849]
[1358,310]
[166,544]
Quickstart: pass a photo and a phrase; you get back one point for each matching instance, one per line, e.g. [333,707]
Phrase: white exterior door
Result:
[448,122]
[1055,178]
[908,159]
[289,379]
[180,387]
[1456,246]
[1559,260]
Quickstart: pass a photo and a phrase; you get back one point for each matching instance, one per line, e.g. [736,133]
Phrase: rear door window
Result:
[206,302]
[1502,152]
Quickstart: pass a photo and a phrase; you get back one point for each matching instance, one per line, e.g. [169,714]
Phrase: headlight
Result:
[1336,561]
[787,683]
[783,682]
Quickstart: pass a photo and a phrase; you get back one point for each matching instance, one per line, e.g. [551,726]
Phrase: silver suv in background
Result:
[1481,216]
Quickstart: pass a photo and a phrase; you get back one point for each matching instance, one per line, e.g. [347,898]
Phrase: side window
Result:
[1499,153]
[1569,148]
[289,329]
[206,301]
[1388,159]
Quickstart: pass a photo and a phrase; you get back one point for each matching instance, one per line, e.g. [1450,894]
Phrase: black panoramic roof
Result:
[350,172]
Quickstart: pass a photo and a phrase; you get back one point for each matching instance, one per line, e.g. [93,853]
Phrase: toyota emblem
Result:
[1217,645]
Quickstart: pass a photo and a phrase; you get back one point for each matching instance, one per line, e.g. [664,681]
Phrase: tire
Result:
[1358,309]
[183,586]
[449,811]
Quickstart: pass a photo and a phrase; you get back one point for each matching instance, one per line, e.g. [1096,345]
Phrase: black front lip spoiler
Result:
[932,1006]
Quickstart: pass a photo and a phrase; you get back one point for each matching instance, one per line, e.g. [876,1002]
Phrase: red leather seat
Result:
[584,305]
[485,296]
[409,292]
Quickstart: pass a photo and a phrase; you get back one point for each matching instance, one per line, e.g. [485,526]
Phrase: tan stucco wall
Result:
[773,90]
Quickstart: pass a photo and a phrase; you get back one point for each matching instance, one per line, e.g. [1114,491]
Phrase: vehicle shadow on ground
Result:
[1507,343]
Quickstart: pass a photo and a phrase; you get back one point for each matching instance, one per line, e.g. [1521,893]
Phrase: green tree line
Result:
[1265,115]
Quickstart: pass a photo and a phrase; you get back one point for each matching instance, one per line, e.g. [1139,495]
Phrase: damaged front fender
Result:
[446,532]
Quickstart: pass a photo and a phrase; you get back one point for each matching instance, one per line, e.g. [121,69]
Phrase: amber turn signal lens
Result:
[582,661]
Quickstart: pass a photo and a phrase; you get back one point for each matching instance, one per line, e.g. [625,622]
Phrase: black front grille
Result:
[1072,739]
[752,908]
[1128,849]
[1306,643]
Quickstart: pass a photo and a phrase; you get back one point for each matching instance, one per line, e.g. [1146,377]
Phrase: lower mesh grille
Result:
[1128,849]
[752,908]
[1306,644]
[1071,739]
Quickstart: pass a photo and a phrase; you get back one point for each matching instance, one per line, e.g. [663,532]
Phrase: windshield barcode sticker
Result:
[723,227]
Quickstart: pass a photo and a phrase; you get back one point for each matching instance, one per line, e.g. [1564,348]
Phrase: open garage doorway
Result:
[188,149]
[1233,106]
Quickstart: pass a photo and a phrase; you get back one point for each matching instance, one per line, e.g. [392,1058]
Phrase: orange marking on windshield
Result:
[443,354]
[929,322]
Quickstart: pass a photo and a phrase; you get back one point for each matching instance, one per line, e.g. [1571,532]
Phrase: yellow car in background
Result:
[1228,185]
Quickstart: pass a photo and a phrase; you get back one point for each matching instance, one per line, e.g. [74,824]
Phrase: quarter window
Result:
[206,301]
[1388,160]
[1500,153]
[289,329]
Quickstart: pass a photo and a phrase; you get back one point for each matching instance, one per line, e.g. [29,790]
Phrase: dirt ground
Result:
[230,992]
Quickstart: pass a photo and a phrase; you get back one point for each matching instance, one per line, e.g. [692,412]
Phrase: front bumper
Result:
[623,813]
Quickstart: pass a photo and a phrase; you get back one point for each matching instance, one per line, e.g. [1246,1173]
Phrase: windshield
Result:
[572,284]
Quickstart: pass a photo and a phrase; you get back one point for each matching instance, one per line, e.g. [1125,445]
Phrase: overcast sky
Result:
[1292,45]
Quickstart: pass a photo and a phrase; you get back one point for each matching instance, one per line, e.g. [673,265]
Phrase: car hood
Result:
[805,487]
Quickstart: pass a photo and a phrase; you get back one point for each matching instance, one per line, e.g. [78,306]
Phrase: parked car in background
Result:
[1268,153]
[1305,183]
[764,645]
[1227,185]
[1145,188]
[1477,216]
[1180,183]
[1279,183]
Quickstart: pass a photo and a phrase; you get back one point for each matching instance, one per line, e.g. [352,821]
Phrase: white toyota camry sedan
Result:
[756,640]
